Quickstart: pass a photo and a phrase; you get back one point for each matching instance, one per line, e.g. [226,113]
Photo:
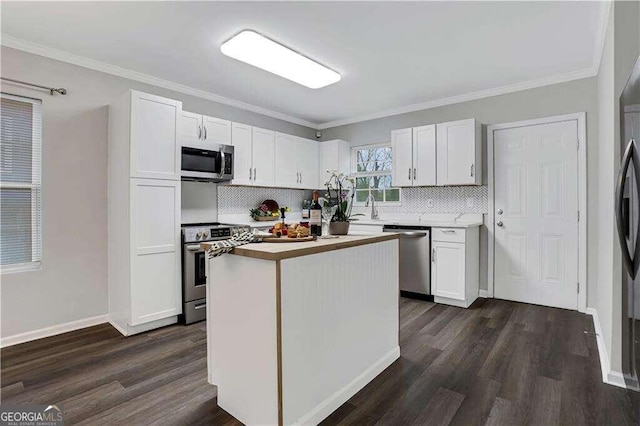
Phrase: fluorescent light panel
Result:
[259,51]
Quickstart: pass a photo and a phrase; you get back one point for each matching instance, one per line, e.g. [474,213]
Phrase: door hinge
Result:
[578,287]
[578,215]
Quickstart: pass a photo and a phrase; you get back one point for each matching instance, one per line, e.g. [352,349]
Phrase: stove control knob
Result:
[198,235]
[205,234]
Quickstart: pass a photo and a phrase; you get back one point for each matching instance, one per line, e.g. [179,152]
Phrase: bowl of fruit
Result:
[268,210]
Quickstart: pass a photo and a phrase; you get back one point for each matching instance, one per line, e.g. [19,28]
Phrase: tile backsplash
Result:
[239,199]
[445,199]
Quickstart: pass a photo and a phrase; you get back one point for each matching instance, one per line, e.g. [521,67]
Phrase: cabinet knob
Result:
[500,224]
[500,211]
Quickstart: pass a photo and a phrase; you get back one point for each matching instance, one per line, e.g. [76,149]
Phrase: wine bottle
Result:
[315,220]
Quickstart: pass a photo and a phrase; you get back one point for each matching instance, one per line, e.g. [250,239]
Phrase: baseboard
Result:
[329,405]
[483,293]
[52,331]
[129,330]
[611,377]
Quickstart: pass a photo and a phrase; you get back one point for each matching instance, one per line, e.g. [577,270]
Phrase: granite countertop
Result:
[434,220]
[427,222]
[279,251]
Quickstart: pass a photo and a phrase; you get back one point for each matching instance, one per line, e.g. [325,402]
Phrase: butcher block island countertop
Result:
[272,251]
[295,330]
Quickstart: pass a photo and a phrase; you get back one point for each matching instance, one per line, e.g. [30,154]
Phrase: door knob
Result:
[499,223]
[500,211]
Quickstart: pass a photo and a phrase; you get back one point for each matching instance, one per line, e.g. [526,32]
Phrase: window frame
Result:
[35,185]
[356,174]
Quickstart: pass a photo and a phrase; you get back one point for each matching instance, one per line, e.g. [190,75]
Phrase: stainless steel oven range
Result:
[194,280]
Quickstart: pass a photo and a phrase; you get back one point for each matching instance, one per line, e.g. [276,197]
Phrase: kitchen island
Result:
[295,329]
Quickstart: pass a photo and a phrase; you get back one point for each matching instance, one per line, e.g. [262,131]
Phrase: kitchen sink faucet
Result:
[374,211]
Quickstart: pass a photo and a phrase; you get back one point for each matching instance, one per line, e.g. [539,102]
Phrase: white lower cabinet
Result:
[155,255]
[455,265]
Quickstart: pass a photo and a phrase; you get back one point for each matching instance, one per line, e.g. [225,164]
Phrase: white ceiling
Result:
[390,54]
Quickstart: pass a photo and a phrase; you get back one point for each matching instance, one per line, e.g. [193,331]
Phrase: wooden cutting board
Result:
[286,239]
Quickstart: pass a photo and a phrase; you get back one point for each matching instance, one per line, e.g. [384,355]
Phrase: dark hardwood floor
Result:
[497,363]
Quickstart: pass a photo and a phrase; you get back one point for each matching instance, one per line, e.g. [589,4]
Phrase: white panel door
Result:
[308,163]
[241,136]
[155,152]
[456,153]
[424,155]
[190,129]
[402,151]
[536,217]
[286,161]
[216,130]
[155,258]
[448,269]
[263,157]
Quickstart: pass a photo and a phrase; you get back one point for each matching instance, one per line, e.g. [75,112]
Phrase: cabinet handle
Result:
[433,255]
[472,170]
[448,231]
[254,173]
[249,173]
[205,132]
[414,174]
[409,173]
[199,132]
[300,177]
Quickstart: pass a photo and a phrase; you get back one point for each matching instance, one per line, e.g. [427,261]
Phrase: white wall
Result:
[603,215]
[72,284]
[564,98]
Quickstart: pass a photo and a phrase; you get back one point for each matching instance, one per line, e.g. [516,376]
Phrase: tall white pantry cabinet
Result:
[144,213]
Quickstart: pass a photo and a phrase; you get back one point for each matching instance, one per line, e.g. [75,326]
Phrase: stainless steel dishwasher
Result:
[415,260]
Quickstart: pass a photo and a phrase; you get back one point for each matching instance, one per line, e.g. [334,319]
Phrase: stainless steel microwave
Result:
[208,165]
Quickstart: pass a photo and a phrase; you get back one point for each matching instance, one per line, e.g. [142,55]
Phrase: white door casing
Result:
[535,213]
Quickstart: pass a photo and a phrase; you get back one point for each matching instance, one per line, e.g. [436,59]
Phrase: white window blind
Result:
[20,183]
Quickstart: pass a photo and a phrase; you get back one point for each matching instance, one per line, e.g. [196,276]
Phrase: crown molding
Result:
[502,90]
[81,61]
[601,35]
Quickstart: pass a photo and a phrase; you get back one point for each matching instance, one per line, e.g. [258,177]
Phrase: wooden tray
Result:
[286,239]
[266,218]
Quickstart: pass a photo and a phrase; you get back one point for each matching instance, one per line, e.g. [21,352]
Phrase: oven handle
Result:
[200,306]
[194,247]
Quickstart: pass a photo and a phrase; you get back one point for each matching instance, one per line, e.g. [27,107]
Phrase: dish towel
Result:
[219,248]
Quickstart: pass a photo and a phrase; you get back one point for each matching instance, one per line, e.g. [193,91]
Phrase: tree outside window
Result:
[372,170]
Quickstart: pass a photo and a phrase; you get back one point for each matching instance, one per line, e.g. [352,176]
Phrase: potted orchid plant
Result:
[340,194]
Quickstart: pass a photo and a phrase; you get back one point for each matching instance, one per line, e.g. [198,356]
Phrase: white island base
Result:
[295,330]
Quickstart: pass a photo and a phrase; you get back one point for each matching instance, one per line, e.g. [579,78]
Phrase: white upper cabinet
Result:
[216,130]
[263,157]
[414,156]
[296,162]
[287,173]
[402,155]
[189,128]
[155,152]
[424,155]
[459,153]
[201,131]
[241,137]
[308,163]
[333,155]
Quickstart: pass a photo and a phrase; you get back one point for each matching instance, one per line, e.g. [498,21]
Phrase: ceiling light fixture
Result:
[257,50]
